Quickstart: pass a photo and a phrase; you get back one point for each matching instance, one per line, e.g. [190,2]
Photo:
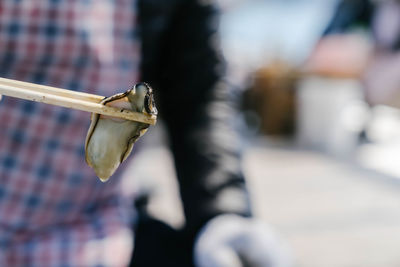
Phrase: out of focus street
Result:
[329,212]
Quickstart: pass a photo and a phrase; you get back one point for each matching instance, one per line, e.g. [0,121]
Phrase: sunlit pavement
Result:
[331,213]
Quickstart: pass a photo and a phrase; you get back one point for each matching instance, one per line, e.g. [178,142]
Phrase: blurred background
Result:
[321,127]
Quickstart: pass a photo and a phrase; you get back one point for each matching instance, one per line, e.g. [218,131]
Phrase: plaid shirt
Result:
[54,211]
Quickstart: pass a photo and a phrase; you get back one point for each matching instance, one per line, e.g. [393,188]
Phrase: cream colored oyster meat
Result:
[109,141]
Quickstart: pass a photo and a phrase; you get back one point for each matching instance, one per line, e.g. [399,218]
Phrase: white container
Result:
[331,114]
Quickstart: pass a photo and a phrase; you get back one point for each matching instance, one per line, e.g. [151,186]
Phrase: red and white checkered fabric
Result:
[54,211]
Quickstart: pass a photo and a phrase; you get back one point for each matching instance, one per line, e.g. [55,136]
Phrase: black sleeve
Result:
[183,63]
[350,13]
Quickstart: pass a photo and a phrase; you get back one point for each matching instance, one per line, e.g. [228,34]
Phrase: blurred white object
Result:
[384,133]
[234,241]
[381,158]
[384,125]
[331,114]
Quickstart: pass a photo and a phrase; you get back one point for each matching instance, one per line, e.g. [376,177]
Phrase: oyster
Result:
[109,141]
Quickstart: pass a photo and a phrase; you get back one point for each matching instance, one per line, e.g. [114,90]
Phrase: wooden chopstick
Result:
[69,99]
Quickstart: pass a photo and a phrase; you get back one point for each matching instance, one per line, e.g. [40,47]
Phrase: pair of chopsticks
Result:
[68,99]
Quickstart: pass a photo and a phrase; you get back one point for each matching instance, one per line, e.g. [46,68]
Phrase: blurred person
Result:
[374,57]
[53,210]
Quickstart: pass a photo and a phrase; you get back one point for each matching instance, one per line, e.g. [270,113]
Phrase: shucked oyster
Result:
[109,141]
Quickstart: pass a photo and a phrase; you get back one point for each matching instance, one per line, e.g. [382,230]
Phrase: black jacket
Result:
[352,13]
[182,61]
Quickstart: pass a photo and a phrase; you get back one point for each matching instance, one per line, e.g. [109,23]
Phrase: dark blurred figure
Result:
[181,58]
[347,50]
